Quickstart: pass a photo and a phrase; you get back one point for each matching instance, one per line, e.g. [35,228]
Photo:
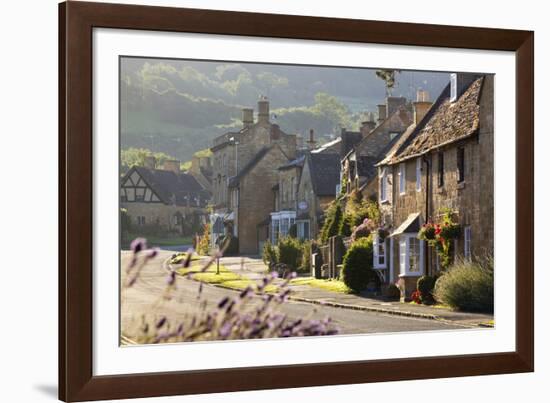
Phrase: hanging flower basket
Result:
[427,232]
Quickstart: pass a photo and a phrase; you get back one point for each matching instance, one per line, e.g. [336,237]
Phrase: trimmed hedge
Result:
[357,269]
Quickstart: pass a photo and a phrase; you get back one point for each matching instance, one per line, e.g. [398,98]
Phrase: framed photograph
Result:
[254,201]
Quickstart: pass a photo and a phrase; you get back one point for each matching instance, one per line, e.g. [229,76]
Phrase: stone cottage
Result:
[163,200]
[358,163]
[445,161]
[318,186]
[244,171]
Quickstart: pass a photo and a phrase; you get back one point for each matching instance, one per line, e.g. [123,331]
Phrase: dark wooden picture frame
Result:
[76,23]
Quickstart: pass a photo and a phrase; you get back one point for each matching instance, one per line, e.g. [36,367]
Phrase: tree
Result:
[388,76]
[136,157]
[332,221]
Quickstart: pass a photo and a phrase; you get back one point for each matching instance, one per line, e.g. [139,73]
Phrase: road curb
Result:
[408,314]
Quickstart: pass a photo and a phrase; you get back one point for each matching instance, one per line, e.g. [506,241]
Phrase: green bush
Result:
[269,254]
[357,270]
[289,252]
[331,225]
[425,285]
[346,225]
[467,286]
[203,248]
[305,264]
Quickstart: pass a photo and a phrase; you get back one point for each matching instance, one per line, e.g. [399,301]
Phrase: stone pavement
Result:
[254,269]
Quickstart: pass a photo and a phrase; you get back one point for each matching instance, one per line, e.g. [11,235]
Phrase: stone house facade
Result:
[443,161]
[317,188]
[358,164]
[163,200]
[244,171]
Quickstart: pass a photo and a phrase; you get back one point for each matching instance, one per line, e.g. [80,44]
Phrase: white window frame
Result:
[376,255]
[402,178]
[384,184]
[418,174]
[468,242]
[404,256]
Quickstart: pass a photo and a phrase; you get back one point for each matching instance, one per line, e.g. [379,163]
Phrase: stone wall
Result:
[160,214]
[256,198]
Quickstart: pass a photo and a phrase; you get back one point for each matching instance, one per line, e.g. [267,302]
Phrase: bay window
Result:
[411,255]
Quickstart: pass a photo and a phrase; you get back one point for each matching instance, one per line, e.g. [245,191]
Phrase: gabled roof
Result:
[445,123]
[295,163]
[171,187]
[325,173]
[396,145]
[328,147]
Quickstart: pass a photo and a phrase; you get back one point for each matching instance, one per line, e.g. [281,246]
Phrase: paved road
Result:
[144,297]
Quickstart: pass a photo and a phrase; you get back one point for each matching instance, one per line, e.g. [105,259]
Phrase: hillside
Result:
[178,106]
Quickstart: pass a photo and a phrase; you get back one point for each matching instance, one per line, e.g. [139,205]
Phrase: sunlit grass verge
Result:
[329,285]
[180,258]
[225,277]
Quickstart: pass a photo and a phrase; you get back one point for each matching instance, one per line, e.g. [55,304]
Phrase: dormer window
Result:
[454,87]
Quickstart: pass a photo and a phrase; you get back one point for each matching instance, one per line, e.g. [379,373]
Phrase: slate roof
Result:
[333,146]
[171,187]
[365,167]
[298,162]
[447,123]
[234,180]
[396,145]
[325,173]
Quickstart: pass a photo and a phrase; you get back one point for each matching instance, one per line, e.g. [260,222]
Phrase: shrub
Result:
[392,291]
[357,269]
[331,225]
[289,252]
[364,230]
[269,254]
[203,246]
[293,231]
[305,264]
[425,286]
[467,286]
[346,225]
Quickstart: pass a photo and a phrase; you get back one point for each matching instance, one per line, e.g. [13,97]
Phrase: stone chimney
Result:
[195,164]
[248,117]
[368,125]
[311,142]
[150,162]
[393,104]
[172,165]
[381,112]
[421,105]
[263,110]
[275,132]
